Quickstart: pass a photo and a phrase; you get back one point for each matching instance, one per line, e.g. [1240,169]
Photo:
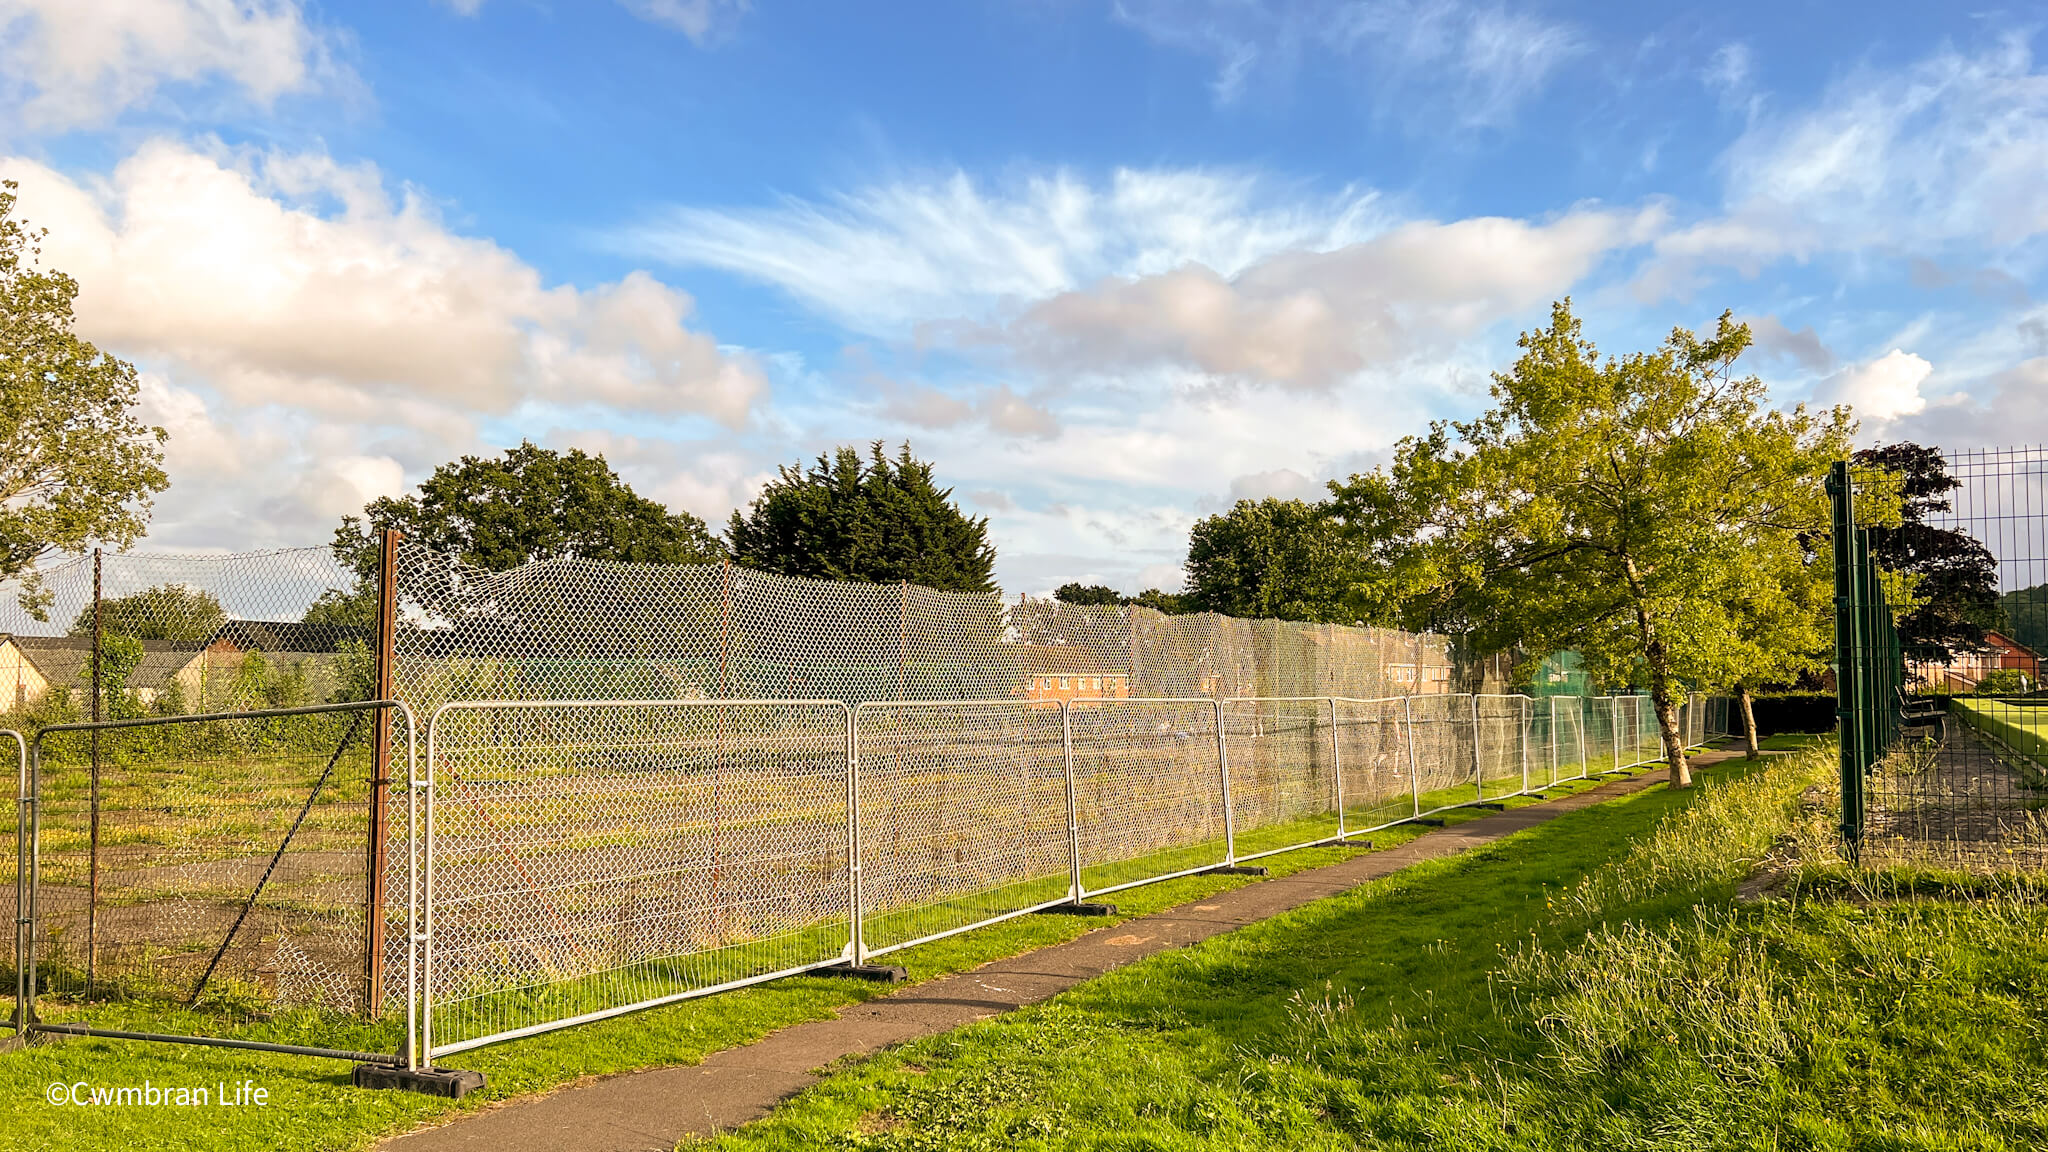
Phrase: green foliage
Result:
[164,612]
[1952,577]
[2006,682]
[2026,615]
[879,521]
[1615,507]
[1285,559]
[532,504]
[75,464]
[1097,595]
[1091,595]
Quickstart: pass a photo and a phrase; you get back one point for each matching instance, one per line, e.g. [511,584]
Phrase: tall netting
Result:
[589,859]
[1148,790]
[1283,781]
[209,876]
[1376,764]
[963,816]
[1945,712]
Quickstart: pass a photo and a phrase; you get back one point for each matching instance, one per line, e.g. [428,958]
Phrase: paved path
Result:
[650,1110]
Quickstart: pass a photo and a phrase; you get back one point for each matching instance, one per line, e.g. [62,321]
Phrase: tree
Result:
[164,612]
[1952,578]
[880,521]
[1613,507]
[533,504]
[76,466]
[1089,595]
[1270,558]
[2026,614]
[1781,609]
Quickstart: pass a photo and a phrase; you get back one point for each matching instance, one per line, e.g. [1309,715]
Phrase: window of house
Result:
[1063,682]
[1097,685]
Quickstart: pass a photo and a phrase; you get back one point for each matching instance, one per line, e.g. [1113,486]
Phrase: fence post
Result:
[1585,753]
[855,942]
[1414,775]
[1229,812]
[380,775]
[1617,733]
[855,894]
[22,802]
[1337,767]
[92,866]
[1073,804]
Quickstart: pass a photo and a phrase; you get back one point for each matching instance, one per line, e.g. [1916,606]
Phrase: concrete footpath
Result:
[653,1109]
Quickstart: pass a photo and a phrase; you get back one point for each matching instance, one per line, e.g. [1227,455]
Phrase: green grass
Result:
[2021,728]
[313,1107]
[1590,983]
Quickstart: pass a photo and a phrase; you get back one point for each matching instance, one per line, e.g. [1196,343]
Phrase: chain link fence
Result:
[642,784]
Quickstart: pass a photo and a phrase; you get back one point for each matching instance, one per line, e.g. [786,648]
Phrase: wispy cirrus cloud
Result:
[1474,64]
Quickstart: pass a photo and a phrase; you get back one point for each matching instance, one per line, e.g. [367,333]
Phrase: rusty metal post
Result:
[380,774]
[92,897]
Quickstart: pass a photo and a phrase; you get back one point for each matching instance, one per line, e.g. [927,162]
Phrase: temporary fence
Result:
[1942,708]
[643,784]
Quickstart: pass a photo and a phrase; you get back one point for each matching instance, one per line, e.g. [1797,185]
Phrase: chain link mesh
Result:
[1149,793]
[1283,780]
[592,858]
[963,816]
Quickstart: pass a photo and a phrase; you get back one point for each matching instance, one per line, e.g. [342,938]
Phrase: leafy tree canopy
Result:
[76,466]
[1091,595]
[530,504]
[1951,578]
[881,520]
[1610,506]
[1271,558]
[164,612]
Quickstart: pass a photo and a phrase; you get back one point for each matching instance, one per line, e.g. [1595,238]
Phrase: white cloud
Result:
[1775,340]
[700,20]
[1311,319]
[224,264]
[76,63]
[1949,153]
[1881,390]
[1276,484]
[889,258]
[1426,58]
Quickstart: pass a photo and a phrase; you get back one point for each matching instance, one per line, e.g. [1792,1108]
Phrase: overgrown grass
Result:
[312,1105]
[1591,983]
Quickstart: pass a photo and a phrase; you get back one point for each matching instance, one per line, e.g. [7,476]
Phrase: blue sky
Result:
[1110,265]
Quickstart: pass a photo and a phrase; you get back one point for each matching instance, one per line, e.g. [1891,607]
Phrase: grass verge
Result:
[1592,982]
[312,1107]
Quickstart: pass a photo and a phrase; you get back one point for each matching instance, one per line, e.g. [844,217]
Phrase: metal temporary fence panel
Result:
[1283,781]
[589,858]
[1502,724]
[1150,795]
[207,877]
[1649,733]
[963,816]
[1376,771]
[1565,737]
[1443,730]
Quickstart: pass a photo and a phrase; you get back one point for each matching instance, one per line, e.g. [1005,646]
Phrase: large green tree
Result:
[880,520]
[76,465]
[528,505]
[1612,506]
[1270,558]
[1951,576]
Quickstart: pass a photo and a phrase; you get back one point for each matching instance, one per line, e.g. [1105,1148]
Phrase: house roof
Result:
[1999,638]
[1061,660]
[68,659]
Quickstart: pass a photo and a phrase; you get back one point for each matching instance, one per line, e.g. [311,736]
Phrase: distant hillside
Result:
[2026,610]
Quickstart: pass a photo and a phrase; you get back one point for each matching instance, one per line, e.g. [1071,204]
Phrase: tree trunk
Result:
[1658,658]
[1749,742]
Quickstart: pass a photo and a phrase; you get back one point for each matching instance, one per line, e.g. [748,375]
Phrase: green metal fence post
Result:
[1844,532]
